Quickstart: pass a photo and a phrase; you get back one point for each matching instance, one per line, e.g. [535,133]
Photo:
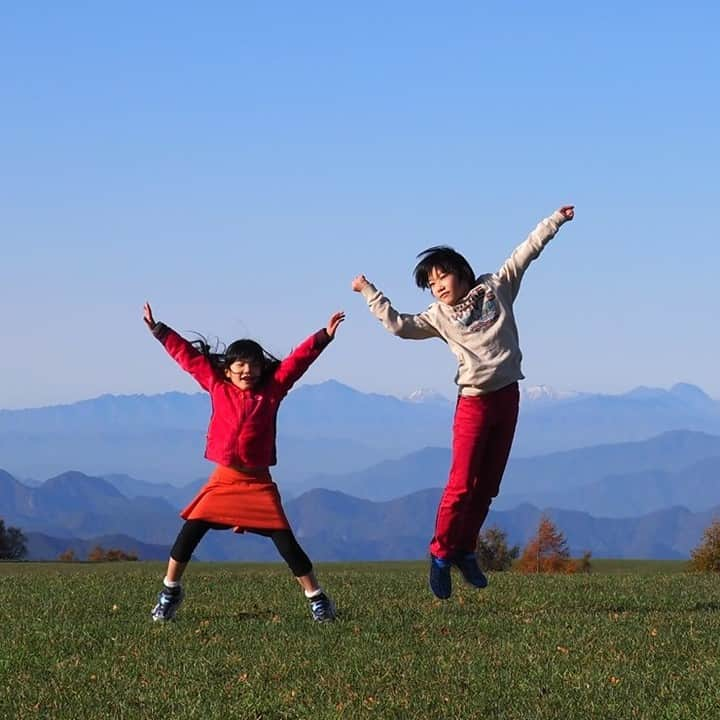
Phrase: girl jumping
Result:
[246,386]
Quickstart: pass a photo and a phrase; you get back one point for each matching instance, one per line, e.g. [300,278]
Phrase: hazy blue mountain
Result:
[128,413]
[44,547]
[696,487]
[588,420]
[676,468]
[329,410]
[669,451]
[548,479]
[671,533]
[168,456]
[75,505]
[14,496]
[333,526]
[327,428]
[330,522]
[333,410]
[160,438]
[177,496]
[391,478]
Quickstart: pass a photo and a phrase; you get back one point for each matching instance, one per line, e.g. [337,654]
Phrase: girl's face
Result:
[446,287]
[244,374]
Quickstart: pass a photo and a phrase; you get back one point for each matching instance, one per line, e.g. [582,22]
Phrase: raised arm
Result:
[294,366]
[515,266]
[185,355]
[410,327]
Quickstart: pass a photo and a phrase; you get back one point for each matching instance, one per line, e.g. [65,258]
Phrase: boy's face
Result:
[446,287]
[244,374]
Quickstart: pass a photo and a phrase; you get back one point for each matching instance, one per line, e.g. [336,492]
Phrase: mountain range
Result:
[676,468]
[632,474]
[326,428]
[76,511]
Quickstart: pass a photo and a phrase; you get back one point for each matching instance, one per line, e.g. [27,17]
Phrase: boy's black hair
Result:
[446,259]
[243,349]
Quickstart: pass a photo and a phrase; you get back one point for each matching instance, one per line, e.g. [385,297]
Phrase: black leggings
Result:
[193,531]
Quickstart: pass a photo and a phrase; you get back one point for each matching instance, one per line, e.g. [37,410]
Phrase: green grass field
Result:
[634,640]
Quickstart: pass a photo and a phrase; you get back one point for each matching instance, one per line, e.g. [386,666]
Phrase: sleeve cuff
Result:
[369,292]
[160,330]
[322,338]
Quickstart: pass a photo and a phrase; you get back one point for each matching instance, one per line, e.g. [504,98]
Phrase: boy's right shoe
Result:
[322,608]
[167,604]
[467,564]
[440,580]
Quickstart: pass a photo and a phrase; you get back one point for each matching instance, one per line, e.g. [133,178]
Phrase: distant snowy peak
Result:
[544,393]
[528,393]
[427,396]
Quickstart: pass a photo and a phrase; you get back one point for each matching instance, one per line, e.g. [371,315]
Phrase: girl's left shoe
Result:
[322,608]
[167,605]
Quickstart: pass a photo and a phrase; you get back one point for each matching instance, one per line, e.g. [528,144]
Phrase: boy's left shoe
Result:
[470,570]
[440,580]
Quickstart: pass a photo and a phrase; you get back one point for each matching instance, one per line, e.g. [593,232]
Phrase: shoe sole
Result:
[470,582]
[439,597]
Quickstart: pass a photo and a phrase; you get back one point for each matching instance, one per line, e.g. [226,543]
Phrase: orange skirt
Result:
[245,500]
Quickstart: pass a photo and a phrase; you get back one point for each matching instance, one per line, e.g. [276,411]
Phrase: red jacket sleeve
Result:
[293,367]
[186,356]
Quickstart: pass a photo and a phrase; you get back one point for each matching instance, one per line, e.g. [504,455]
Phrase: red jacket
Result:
[242,426]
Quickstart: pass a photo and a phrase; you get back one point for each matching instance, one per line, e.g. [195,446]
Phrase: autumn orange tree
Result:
[99,554]
[706,556]
[547,551]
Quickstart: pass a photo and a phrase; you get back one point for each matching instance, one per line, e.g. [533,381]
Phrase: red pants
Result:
[483,432]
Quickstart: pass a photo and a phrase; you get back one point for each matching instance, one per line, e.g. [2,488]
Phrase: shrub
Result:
[12,543]
[492,550]
[547,552]
[706,556]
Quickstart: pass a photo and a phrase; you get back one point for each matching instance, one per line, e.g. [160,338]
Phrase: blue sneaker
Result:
[167,605]
[468,566]
[440,580]
[322,608]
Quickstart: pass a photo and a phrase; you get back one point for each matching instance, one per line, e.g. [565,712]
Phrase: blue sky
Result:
[238,163]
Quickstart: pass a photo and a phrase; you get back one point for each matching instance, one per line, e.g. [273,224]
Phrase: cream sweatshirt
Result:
[480,329]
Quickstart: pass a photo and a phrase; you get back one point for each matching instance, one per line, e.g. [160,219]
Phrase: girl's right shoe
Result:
[167,605]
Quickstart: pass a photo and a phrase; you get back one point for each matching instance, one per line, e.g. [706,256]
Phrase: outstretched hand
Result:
[334,323]
[359,283]
[568,211]
[148,317]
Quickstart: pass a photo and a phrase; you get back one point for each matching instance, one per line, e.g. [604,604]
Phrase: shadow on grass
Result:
[706,607]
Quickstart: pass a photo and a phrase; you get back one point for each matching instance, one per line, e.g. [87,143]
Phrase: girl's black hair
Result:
[243,349]
[446,259]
